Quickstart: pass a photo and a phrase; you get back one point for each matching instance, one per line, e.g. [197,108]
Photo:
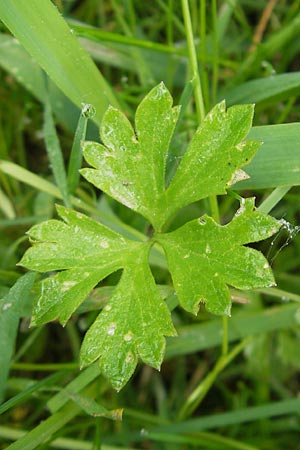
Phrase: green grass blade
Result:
[27,177]
[60,443]
[6,206]
[76,385]
[99,35]
[43,32]
[200,109]
[254,413]
[265,90]
[37,182]
[176,151]
[271,201]
[55,154]
[76,153]
[198,394]
[12,307]
[202,440]
[277,162]
[46,429]
[206,335]
[93,408]
[24,395]
[15,60]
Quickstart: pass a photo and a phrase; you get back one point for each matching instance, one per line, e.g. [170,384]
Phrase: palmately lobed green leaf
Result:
[204,257]
[133,324]
[130,166]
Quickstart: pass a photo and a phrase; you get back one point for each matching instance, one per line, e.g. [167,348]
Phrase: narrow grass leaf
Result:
[277,163]
[15,60]
[92,408]
[174,155]
[100,35]
[30,178]
[253,413]
[6,206]
[11,433]
[46,36]
[265,90]
[27,393]
[43,432]
[194,338]
[55,154]
[81,381]
[273,199]
[12,307]
[75,159]
[201,440]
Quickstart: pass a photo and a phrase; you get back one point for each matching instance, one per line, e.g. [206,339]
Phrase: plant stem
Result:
[225,336]
[202,389]
[193,61]
[259,31]
[201,109]
[203,55]
[197,82]
[215,68]
[170,41]
[45,367]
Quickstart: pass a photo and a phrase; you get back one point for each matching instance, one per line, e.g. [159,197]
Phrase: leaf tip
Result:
[238,175]
[227,310]
[82,363]
[193,308]
[111,110]
[222,104]
[33,322]
[20,263]
[158,92]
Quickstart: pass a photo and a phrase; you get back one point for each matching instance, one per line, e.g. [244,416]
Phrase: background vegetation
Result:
[247,51]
